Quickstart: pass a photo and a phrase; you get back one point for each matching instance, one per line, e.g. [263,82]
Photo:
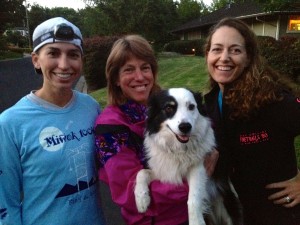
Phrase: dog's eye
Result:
[191,107]
[169,109]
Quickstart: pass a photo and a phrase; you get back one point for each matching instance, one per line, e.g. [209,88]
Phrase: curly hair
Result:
[122,50]
[258,85]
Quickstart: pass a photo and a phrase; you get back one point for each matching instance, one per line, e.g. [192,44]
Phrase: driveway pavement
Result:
[18,78]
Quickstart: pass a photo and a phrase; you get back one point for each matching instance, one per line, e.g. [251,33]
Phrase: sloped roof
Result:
[238,10]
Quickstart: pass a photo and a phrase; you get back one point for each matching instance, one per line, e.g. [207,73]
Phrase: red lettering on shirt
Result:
[254,137]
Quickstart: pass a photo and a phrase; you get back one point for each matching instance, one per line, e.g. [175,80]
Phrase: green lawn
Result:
[181,71]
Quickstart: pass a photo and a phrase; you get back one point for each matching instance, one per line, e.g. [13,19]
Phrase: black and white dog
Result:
[177,139]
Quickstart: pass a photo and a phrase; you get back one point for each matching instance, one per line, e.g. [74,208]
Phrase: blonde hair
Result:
[122,50]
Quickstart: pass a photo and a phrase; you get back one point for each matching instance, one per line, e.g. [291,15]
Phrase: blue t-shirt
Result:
[47,167]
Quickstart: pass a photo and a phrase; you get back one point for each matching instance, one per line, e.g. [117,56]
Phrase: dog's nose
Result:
[185,127]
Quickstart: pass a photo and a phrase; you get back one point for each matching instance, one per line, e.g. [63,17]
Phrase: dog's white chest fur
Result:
[177,138]
[171,160]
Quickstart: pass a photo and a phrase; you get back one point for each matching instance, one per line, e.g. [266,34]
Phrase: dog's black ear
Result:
[154,111]
[153,106]
[200,105]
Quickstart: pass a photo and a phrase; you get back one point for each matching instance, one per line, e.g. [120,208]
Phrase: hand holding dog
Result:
[289,188]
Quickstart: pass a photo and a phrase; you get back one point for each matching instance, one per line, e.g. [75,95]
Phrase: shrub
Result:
[3,43]
[282,55]
[292,57]
[19,50]
[96,51]
[17,39]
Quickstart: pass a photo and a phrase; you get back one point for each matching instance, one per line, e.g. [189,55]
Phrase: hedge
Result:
[283,55]
[96,51]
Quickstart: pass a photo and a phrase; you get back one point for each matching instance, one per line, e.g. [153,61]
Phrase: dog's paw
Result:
[196,219]
[195,215]
[142,200]
[199,221]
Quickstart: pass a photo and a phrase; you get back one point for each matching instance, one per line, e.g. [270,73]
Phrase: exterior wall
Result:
[194,35]
[258,29]
[265,26]
[21,31]
[274,26]
[271,26]
[191,35]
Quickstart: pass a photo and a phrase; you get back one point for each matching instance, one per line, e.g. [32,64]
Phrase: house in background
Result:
[275,24]
[21,30]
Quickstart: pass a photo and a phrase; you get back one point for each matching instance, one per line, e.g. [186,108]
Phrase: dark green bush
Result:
[186,47]
[290,47]
[295,58]
[19,50]
[282,55]
[3,43]
[17,39]
[96,51]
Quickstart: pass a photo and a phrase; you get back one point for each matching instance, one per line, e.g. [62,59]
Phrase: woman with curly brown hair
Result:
[256,119]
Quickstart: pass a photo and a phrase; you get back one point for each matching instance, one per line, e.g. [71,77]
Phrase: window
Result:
[294,24]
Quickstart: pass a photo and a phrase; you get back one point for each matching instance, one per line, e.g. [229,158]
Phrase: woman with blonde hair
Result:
[131,72]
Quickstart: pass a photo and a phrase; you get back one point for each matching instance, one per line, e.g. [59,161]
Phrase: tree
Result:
[267,5]
[37,14]
[68,13]
[218,4]
[16,39]
[204,8]
[272,5]
[12,14]
[151,18]
[90,25]
[188,10]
